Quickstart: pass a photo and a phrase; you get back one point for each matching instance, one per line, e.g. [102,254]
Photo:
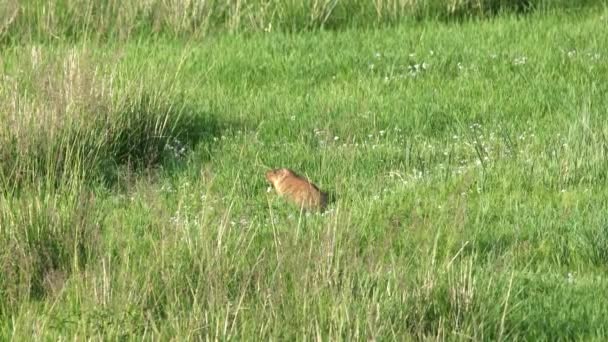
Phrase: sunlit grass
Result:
[467,162]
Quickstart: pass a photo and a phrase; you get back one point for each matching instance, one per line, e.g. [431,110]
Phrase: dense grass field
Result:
[467,160]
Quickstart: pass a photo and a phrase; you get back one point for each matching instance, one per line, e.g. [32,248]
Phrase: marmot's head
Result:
[277,175]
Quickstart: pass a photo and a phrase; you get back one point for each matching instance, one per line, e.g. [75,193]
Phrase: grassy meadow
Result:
[465,144]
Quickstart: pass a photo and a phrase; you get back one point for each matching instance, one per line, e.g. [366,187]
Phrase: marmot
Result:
[297,189]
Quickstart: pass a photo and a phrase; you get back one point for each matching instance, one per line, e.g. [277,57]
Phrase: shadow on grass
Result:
[142,148]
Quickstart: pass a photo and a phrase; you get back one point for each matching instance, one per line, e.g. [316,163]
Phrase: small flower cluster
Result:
[521,60]
[412,69]
[176,148]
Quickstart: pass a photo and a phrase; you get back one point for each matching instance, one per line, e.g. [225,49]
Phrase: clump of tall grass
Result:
[122,19]
[44,239]
[66,121]
[68,125]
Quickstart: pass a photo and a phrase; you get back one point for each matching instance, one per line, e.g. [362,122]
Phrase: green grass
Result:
[103,20]
[468,162]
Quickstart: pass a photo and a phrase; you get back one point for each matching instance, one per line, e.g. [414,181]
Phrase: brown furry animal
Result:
[297,189]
